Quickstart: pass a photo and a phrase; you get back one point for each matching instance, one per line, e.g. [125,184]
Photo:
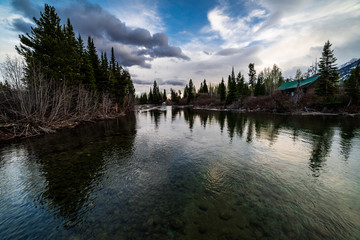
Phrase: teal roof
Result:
[293,84]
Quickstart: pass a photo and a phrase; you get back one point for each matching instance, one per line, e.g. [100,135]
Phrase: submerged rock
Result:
[203,206]
[225,215]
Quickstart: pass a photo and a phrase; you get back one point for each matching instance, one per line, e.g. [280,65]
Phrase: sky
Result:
[175,41]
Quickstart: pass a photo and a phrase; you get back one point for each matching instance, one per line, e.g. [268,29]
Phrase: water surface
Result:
[184,174]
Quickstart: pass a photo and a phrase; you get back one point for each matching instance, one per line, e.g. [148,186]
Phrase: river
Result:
[186,174]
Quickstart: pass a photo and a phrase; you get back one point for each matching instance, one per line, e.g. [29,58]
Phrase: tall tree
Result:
[44,45]
[259,86]
[222,90]
[203,87]
[156,93]
[252,76]
[95,63]
[327,81]
[352,85]
[231,95]
[86,74]
[191,91]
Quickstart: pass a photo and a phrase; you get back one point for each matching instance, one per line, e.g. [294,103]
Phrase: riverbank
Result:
[15,131]
[305,112]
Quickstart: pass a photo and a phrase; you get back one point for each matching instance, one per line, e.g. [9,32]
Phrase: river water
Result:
[186,174]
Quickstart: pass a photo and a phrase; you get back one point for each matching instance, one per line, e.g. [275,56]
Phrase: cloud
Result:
[160,82]
[25,6]
[92,19]
[228,51]
[21,25]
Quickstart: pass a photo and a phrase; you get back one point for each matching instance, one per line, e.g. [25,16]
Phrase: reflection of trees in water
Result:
[250,128]
[321,146]
[71,162]
[347,134]
[220,117]
[204,119]
[155,117]
[189,117]
[174,113]
[318,130]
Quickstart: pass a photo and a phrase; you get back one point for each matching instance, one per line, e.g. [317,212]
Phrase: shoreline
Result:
[150,107]
[7,137]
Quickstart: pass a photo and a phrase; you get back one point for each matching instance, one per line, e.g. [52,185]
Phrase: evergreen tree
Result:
[164,96]
[240,83]
[143,99]
[327,81]
[191,91]
[103,80]
[86,74]
[231,95]
[150,100]
[186,91]
[156,94]
[44,45]
[259,86]
[174,96]
[252,76]
[203,87]
[70,57]
[95,63]
[222,90]
[352,85]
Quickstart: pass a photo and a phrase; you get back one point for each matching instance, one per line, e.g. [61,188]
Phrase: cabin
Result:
[305,84]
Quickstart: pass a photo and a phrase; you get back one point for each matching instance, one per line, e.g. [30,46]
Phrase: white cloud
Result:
[139,14]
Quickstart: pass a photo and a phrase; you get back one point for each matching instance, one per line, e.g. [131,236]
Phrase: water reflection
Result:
[318,131]
[74,165]
[191,175]
[347,134]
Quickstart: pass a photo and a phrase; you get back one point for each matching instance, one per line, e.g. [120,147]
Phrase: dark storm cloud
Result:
[92,19]
[25,6]
[174,82]
[20,25]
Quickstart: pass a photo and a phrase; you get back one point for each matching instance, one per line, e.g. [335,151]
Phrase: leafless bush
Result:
[34,104]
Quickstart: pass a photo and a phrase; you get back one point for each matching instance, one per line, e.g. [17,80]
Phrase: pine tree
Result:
[95,63]
[43,47]
[156,94]
[259,86]
[327,81]
[352,85]
[186,91]
[70,57]
[222,90]
[252,76]
[240,82]
[231,95]
[164,96]
[191,92]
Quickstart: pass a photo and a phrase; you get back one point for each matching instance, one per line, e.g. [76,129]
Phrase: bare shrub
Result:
[34,104]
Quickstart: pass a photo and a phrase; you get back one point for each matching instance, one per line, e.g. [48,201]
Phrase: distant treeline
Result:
[328,90]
